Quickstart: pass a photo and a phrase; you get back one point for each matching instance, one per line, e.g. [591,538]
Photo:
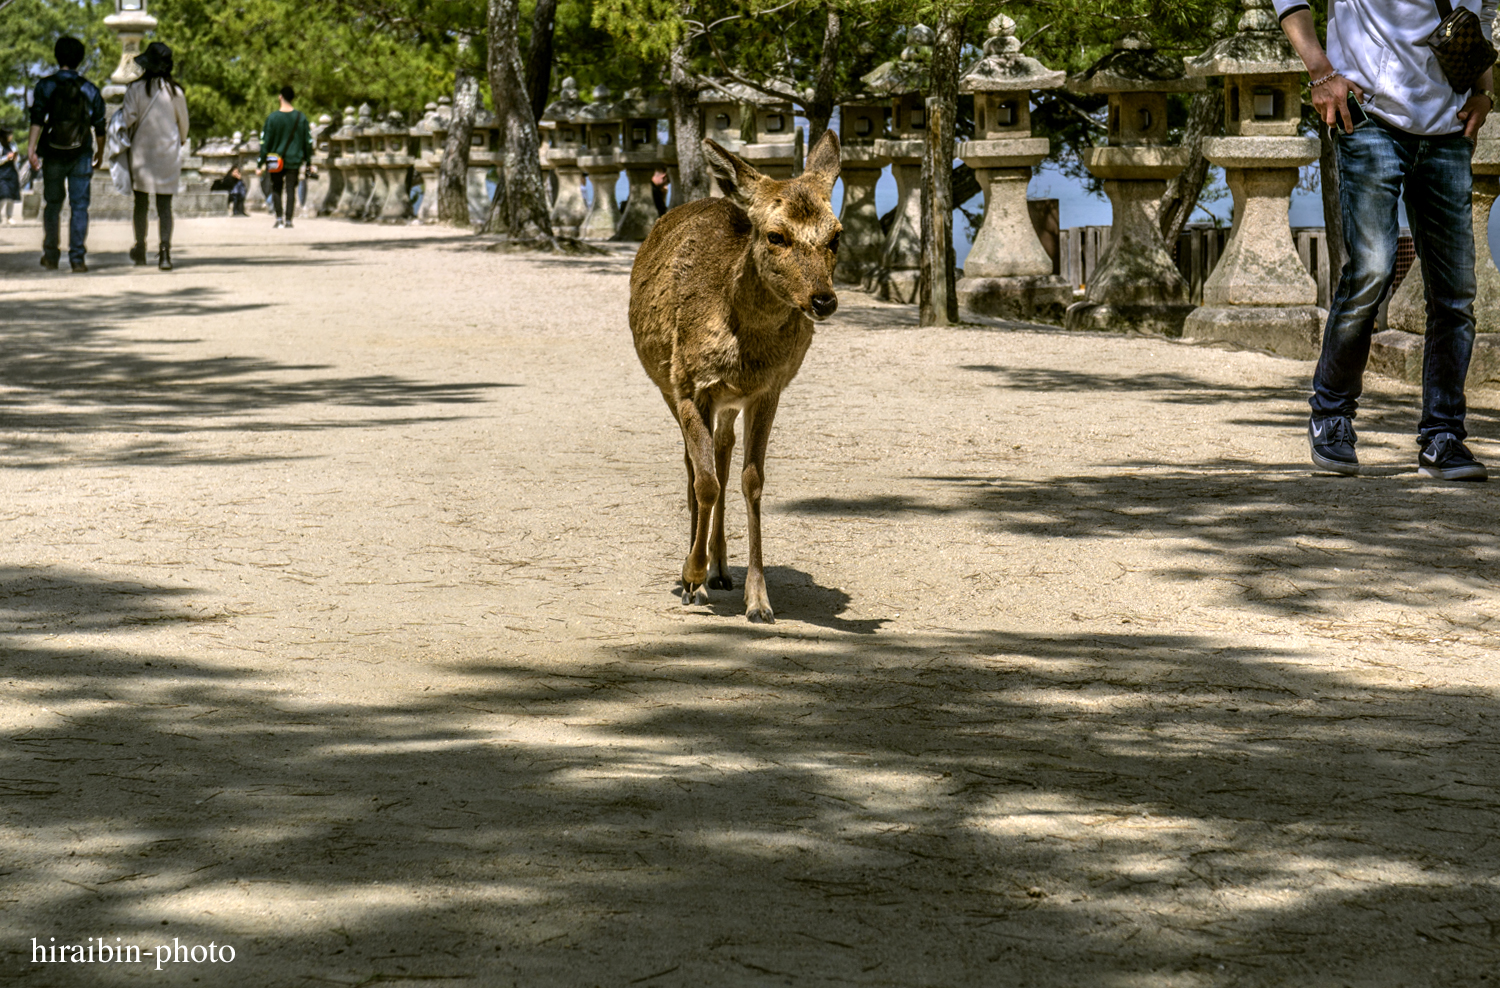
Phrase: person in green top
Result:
[287,136]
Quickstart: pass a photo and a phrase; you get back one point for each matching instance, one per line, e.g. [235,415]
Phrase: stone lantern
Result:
[770,147]
[641,153]
[861,123]
[321,191]
[1008,273]
[602,124]
[904,81]
[1260,294]
[395,162]
[131,23]
[360,160]
[351,201]
[484,156]
[1136,285]
[564,142]
[429,158]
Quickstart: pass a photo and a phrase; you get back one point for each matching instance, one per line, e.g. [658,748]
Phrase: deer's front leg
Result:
[697,437]
[718,556]
[758,419]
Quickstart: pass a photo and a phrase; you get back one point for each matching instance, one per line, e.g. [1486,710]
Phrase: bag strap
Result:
[1445,10]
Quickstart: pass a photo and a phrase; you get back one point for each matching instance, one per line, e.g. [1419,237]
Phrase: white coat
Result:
[158,122]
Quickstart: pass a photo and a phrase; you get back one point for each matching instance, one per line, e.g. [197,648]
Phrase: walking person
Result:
[156,117]
[285,146]
[1401,126]
[64,108]
[10,176]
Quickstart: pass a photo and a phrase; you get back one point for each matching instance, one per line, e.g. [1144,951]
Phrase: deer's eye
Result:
[776,240]
[833,245]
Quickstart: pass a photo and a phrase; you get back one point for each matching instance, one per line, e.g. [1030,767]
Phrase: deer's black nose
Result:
[824,303]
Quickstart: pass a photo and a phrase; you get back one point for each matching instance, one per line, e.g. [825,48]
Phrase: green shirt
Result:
[289,135]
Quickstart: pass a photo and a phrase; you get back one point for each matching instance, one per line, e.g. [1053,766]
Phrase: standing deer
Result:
[723,298]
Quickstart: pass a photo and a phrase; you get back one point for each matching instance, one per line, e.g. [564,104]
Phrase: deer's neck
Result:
[755,307]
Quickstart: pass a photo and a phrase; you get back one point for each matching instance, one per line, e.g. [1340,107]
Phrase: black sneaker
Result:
[79,267]
[50,263]
[1332,440]
[1445,457]
[138,255]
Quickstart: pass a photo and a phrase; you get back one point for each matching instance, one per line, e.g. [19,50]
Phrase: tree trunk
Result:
[825,87]
[1205,117]
[453,172]
[1333,212]
[938,290]
[692,175]
[539,55]
[519,209]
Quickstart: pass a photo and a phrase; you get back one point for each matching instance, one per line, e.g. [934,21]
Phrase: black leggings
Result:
[285,182]
[163,215]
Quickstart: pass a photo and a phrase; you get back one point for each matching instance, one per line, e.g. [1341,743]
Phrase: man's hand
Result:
[36,162]
[1331,100]
[1473,113]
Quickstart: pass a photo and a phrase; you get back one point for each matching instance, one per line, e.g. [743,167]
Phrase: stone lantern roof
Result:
[601,108]
[567,108]
[637,105]
[911,73]
[729,91]
[1259,47]
[1135,66]
[1004,68]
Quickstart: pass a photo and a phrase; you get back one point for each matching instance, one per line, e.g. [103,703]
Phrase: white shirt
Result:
[1373,43]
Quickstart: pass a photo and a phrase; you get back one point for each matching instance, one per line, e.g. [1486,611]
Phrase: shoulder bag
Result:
[1460,47]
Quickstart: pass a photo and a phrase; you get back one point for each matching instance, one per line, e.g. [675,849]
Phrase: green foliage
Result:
[28,30]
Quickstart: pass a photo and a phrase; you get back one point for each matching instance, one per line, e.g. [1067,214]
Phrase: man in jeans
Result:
[64,108]
[1398,126]
[288,135]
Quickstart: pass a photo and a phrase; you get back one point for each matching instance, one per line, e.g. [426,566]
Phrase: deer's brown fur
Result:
[723,298]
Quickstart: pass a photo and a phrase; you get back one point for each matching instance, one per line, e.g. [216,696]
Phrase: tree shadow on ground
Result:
[728,805]
[70,372]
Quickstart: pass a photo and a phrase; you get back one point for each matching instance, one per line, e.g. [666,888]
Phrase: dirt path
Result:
[337,625]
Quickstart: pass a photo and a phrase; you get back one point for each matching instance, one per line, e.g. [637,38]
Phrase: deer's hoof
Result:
[761,615]
[720,582]
[694,594]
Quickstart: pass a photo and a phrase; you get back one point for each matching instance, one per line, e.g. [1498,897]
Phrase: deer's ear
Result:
[823,159]
[736,179]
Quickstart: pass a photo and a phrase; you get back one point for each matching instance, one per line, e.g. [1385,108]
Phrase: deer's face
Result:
[794,234]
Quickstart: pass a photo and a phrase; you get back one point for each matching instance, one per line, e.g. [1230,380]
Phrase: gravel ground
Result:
[338,626]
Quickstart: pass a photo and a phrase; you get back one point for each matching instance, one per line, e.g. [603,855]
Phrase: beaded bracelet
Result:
[1327,78]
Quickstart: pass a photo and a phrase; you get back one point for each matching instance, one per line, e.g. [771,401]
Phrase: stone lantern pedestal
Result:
[429,158]
[861,124]
[904,80]
[323,190]
[1008,273]
[569,207]
[345,147]
[1136,286]
[484,157]
[599,161]
[395,161]
[1260,294]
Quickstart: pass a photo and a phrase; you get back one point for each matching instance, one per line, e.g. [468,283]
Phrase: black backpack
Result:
[68,121]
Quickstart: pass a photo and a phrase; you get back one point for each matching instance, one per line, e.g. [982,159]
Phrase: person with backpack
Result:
[285,146]
[64,108]
[10,178]
[156,116]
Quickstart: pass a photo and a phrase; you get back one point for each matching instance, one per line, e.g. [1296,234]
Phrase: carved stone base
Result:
[897,286]
[1031,299]
[1161,320]
[1294,331]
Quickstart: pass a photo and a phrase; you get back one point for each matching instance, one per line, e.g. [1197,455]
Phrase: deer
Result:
[723,297]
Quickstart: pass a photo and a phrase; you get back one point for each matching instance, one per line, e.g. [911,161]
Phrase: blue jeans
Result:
[1377,164]
[76,174]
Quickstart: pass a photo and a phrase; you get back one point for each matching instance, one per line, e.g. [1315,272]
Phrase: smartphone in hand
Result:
[1357,115]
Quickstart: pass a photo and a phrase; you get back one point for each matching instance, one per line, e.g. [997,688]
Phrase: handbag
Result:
[1460,47]
[274,163]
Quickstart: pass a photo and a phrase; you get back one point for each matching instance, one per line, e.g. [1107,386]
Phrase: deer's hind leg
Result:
[698,439]
[718,556]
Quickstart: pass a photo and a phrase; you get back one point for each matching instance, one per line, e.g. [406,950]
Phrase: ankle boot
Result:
[138,253]
[164,258]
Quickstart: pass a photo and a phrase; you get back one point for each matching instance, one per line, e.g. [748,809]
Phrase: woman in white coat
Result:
[156,117]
